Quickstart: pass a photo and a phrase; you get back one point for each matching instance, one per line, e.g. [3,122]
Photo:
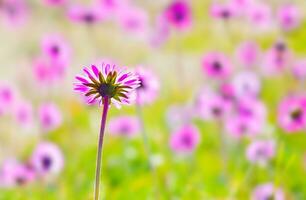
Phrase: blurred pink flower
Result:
[23,113]
[240,6]
[260,15]
[267,191]
[127,126]
[14,12]
[292,113]
[57,49]
[107,81]
[246,84]
[227,92]
[14,173]
[179,14]
[8,97]
[248,53]
[216,65]
[289,17]
[261,151]
[160,32]
[50,117]
[299,69]
[47,159]
[148,90]
[185,139]
[55,3]
[223,11]
[133,20]
[111,7]
[240,126]
[276,59]
[211,106]
[85,15]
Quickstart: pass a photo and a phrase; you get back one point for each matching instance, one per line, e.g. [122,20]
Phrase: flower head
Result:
[23,112]
[178,14]
[107,82]
[185,139]
[124,125]
[248,53]
[216,65]
[246,84]
[85,15]
[267,191]
[222,11]
[299,69]
[289,17]
[49,117]
[47,159]
[260,151]
[14,12]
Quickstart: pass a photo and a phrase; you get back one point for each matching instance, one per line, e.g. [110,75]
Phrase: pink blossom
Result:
[246,84]
[50,117]
[289,17]
[8,97]
[248,53]
[14,12]
[261,151]
[55,3]
[267,191]
[260,15]
[23,113]
[127,126]
[85,15]
[185,139]
[299,69]
[223,11]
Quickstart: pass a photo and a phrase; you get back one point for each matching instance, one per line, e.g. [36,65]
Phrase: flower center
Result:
[55,50]
[296,115]
[216,66]
[46,162]
[107,90]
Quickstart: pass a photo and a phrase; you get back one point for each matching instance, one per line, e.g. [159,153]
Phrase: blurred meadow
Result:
[222,109]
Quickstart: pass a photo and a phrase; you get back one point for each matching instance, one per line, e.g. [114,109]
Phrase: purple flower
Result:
[260,151]
[148,90]
[185,139]
[23,113]
[267,191]
[127,126]
[246,84]
[299,69]
[50,117]
[178,14]
[248,53]
[216,65]
[288,17]
[107,81]
[276,59]
[134,20]
[47,159]
[14,173]
[85,15]
[292,113]
[14,12]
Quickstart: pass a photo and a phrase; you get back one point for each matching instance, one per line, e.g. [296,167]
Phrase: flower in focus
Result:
[216,65]
[246,84]
[260,151]
[267,191]
[23,113]
[107,82]
[14,173]
[185,139]
[288,17]
[178,14]
[148,90]
[85,15]
[292,114]
[50,117]
[248,54]
[47,159]
[127,126]
[14,12]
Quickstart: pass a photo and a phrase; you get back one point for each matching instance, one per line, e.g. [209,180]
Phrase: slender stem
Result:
[100,144]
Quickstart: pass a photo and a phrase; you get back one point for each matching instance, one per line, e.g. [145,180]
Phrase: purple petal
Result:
[95,70]
[83,80]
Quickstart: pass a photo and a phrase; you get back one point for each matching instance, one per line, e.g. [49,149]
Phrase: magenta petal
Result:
[95,70]
[131,81]
[83,80]
[124,76]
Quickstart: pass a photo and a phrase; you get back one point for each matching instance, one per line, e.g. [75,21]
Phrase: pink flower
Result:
[260,15]
[127,126]
[112,6]
[85,15]
[133,20]
[7,97]
[299,69]
[160,32]
[216,65]
[14,12]
[13,173]
[56,49]
[288,17]
[276,59]
[260,151]
[178,14]
[50,117]
[292,114]
[23,113]
[55,3]
[148,90]
[246,84]
[185,139]
[222,11]
[267,191]
[47,159]
[107,81]
[240,126]
[248,53]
